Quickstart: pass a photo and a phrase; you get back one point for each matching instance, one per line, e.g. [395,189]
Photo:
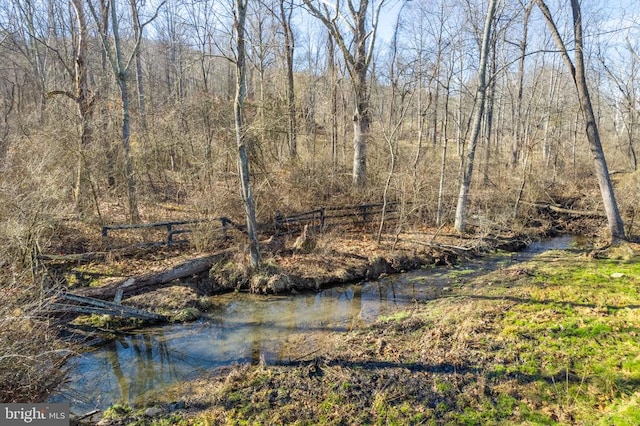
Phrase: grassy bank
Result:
[551,341]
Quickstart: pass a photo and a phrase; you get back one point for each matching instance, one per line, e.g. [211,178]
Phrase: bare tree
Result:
[461,208]
[32,27]
[625,108]
[357,62]
[8,95]
[516,146]
[576,69]
[289,48]
[173,36]
[397,111]
[137,35]
[201,21]
[84,100]
[261,56]
[239,22]
[333,98]
[121,67]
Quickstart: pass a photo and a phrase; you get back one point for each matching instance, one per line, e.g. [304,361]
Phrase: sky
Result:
[616,13]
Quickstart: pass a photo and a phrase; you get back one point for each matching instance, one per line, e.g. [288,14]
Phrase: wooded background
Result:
[119,111]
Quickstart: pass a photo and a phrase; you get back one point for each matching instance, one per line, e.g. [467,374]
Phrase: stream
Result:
[250,328]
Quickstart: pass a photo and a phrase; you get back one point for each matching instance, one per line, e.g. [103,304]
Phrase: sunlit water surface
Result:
[250,328]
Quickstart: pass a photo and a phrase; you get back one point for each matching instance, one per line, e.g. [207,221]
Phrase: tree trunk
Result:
[333,89]
[120,69]
[461,208]
[357,63]
[142,109]
[122,72]
[516,146]
[361,117]
[240,14]
[360,131]
[577,70]
[488,120]
[102,21]
[443,169]
[132,197]
[84,103]
[289,45]
[420,118]
[141,283]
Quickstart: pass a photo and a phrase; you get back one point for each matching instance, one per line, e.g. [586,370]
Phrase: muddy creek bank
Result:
[246,328]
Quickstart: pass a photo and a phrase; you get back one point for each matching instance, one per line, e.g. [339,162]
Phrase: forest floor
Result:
[554,340]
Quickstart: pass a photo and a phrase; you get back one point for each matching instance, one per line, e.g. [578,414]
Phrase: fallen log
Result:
[558,209]
[66,303]
[442,246]
[139,284]
[76,257]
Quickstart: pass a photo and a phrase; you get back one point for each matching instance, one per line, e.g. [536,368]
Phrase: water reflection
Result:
[246,328]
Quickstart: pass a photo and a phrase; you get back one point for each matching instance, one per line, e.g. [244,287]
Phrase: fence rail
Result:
[334,216]
[172,227]
[319,219]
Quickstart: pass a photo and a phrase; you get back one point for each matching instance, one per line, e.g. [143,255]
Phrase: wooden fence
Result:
[319,219]
[325,217]
[172,228]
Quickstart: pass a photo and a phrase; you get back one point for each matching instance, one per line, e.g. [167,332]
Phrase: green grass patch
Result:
[395,317]
[574,333]
[554,341]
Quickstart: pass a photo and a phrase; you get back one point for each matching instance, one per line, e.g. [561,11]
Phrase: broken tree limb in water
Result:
[67,303]
[145,282]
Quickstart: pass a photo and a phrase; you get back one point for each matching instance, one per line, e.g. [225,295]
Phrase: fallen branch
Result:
[67,303]
[441,246]
[136,285]
[76,257]
[87,414]
[563,210]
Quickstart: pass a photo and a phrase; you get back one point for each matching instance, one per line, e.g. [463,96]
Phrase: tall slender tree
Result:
[357,47]
[83,97]
[239,27]
[481,93]
[286,11]
[516,145]
[137,34]
[333,98]
[577,71]
[121,67]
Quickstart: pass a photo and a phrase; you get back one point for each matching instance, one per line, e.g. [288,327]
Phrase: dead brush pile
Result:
[31,354]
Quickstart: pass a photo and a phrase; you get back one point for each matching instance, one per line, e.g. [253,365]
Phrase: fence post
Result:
[278,222]
[364,213]
[224,221]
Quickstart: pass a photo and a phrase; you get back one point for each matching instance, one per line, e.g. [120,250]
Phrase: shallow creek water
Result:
[250,328]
